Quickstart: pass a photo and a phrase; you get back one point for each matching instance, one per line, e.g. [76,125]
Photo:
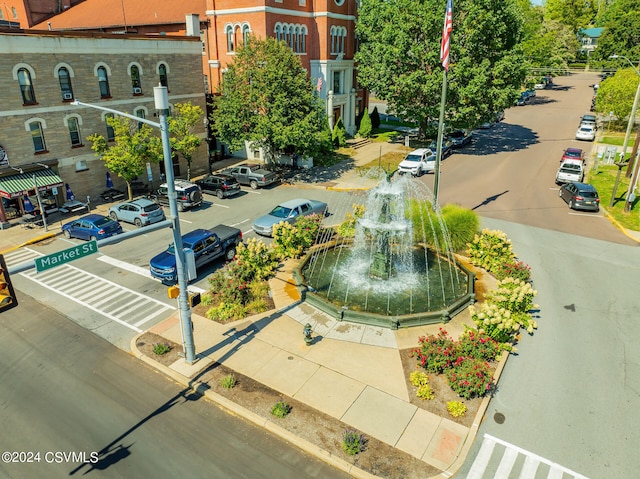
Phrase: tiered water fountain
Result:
[384,276]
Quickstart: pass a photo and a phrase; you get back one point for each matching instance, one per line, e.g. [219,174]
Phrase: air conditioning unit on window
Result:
[67,96]
[137,91]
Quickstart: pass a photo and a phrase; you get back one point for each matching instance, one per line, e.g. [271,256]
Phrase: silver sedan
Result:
[288,211]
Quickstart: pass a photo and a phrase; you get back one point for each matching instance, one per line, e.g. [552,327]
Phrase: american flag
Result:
[446,36]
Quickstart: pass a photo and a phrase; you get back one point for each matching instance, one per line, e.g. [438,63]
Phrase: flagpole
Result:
[436,173]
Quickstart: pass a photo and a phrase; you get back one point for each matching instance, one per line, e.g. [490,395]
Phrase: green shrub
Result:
[289,241]
[353,442]
[513,294]
[499,323]
[255,253]
[226,312]
[456,408]
[375,118]
[161,348]
[462,224]
[470,377]
[517,270]
[490,250]
[425,392]
[280,409]
[365,125]
[347,229]
[339,134]
[228,382]
[436,353]
[479,345]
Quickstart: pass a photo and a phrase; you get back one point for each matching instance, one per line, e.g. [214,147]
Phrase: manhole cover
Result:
[290,358]
[498,417]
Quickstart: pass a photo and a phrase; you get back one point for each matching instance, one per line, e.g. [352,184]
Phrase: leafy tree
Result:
[339,134]
[399,58]
[365,125]
[621,34]
[617,93]
[134,147]
[553,46]
[266,98]
[576,14]
[181,125]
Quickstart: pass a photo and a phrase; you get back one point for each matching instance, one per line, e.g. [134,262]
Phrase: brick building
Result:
[43,135]
[321,32]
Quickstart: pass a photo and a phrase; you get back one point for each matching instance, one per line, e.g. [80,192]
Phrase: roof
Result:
[591,32]
[118,13]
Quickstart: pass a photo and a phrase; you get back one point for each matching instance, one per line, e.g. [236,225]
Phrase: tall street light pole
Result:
[632,117]
[161,100]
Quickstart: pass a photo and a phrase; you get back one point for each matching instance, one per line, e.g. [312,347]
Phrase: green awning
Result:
[18,185]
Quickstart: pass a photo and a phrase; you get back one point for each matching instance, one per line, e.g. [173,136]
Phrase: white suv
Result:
[418,162]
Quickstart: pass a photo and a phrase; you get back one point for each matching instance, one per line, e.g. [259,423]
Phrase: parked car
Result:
[460,138]
[288,211]
[588,119]
[140,212]
[496,118]
[91,227]
[573,154]
[207,246]
[580,196]
[252,175]
[586,133]
[220,185]
[189,194]
[419,161]
[522,99]
[447,147]
[569,172]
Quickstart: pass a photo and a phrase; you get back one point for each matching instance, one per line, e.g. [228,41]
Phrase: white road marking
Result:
[126,266]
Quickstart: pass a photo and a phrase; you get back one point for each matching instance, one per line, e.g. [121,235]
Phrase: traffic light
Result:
[8,298]
[194,299]
[173,292]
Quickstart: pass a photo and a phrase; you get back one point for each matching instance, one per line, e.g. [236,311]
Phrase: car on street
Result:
[189,195]
[91,227]
[460,138]
[220,185]
[588,118]
[573,154]
[140,212]
[569,172]
[447,147]
[419,161]
[522,99]
[288,211]
[586,133]
[255,176]
[580,196]
[204,246]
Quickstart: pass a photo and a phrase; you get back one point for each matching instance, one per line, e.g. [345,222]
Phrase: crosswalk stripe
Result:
[529,468]
[508,460]
[482,459]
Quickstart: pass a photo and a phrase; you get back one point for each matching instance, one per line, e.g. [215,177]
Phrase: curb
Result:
[31,241]
[252,417]
[619,226]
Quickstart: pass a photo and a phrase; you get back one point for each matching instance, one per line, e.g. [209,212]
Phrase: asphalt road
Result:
[65,391]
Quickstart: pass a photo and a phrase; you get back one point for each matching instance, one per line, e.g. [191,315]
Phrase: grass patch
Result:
[389,161]
[383,135]
[612,140]
[603,180]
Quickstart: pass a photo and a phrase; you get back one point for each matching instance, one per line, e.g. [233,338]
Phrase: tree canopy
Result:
[399,57]
[621,34]
[134,146]
[267,98]
[616,94]
[181,125]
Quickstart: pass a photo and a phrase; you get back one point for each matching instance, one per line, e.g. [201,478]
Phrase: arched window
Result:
[135,80]
[162,73]
[292,30]
[303,41]
[26,87]
[37,136]
[111,134]
[14,12]
[278,31]
[140,113]
[65,84]
[230,40]
[332,32]
[74,131]
[103,83]
[246,34]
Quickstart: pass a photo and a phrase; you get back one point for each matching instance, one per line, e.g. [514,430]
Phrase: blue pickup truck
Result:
[207,246]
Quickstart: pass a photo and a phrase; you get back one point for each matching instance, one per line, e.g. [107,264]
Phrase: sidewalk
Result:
[353,374]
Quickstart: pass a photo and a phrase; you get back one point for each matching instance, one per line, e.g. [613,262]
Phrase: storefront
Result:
[14,187]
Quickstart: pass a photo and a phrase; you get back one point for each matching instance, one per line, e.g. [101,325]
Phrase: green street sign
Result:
[65,256]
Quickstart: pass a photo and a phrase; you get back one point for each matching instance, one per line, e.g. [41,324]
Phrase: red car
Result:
[572,154]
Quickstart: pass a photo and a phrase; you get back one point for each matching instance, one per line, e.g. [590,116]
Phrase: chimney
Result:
[193,25]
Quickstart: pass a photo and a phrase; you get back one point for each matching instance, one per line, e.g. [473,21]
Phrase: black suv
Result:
[189,194]
[219,185]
